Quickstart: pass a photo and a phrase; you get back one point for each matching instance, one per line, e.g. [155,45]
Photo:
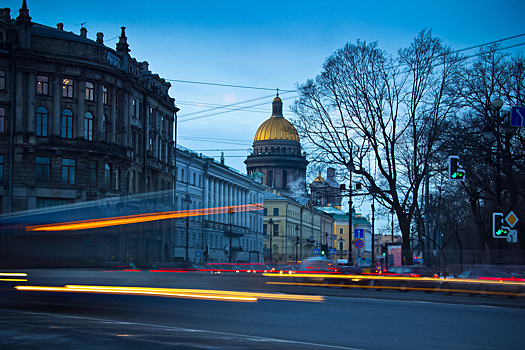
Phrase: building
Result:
[80,121]
[227,233]
[277,154]
[293,231]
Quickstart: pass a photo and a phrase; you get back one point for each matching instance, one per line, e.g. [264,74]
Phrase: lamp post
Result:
[270,223]
[373,230]
[230,212]
[392,212]
[497,103]
[351,168]
[296,241]
[187,200]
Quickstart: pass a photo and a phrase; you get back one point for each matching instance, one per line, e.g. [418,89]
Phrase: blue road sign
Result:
[332,250]
[359,233]
[317,251]
[198,253]
[518,116]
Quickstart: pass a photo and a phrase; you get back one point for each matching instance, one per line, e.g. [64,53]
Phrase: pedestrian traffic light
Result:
[499,230]
[455,171]
[324,249]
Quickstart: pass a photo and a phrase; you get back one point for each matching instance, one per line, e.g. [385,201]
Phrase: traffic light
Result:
[499,230]
[383,251]
[324,249]
[455,171]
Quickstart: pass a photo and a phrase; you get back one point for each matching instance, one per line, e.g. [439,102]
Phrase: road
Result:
[345,319]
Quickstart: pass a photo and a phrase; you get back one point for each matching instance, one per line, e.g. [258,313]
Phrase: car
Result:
[347,276]
[404,278]
[484,282]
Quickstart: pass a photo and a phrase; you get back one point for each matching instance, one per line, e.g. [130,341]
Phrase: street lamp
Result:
[351,168]
[230,212]
[296,241]
[187,200]
[392,212]
[270,223]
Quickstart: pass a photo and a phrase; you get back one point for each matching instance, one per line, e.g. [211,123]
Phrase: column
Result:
[31,92]
[99,135]
[79,117]
[55,114]
[221,200]
[125,120]
[19,107]
[206,194]
[112,97]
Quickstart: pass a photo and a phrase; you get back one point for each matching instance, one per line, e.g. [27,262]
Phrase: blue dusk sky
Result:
[264,44]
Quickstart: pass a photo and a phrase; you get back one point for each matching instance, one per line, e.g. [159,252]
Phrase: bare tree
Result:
[366,102]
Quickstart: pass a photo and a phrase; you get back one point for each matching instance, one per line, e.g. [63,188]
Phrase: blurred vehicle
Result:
[309,268]
[363,262]
[407,277]
[347,275]
[236,268]
[483,282]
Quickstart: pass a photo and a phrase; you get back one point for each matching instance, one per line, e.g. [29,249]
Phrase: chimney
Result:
[100,38]
[6,15]
[60,26]
[83,32]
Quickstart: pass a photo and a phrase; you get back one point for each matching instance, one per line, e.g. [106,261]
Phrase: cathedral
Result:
[277,154]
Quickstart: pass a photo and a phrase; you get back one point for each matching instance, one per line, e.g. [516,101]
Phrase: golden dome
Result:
[277,99]
[319,178]
[276,128]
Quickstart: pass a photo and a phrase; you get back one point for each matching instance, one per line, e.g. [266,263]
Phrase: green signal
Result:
[457,175]
[502,232]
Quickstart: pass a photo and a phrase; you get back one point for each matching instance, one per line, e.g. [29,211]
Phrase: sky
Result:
[264,45]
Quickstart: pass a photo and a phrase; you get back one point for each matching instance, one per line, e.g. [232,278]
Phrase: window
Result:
[269,179]
[67,124]
[276,229]
[116,180]
[285,179]
[92,173]
[1,167]
[42,85]
[42,169]
[88,126]
[134,109]
[265,229]
[107,176]
[105,95]
[151,116]
[2,119]
[275,211]
[41,121]
[341,245]
[140,111]
[67,87]
[68,171]
[90,91]
[265,212]
[2,79]
[341,231]
[51,202]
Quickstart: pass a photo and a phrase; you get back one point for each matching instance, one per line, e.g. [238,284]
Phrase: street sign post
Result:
[517,118]
[198,253]
[359,233]
[317,251]
[332,251]
[358,243]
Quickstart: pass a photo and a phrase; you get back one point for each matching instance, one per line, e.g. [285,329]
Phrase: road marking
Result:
[179,329]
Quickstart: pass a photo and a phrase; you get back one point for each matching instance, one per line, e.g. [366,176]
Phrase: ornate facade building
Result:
[277,154]
[80,121]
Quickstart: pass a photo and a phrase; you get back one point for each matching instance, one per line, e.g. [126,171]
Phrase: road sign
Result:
[511,219]
[198,253]
[359,233]
[358,243]
[332,250]
[513,236]
[518,116]
[317,251]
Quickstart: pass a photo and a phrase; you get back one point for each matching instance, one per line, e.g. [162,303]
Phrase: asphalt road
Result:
[346,319]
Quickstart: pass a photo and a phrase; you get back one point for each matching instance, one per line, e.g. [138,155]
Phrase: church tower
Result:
[277,154]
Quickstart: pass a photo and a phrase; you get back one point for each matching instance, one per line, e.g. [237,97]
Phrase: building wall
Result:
[211,185]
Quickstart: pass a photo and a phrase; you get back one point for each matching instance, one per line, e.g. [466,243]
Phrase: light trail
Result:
[133,219]
[175,293]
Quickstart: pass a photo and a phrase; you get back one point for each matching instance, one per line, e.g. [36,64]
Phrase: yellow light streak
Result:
[178,293]
[21,274]
[133,219]
[13,279]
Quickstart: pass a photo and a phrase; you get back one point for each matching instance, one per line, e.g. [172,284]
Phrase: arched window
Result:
[107,176]
[88,126]
[67,124]
[41,121]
